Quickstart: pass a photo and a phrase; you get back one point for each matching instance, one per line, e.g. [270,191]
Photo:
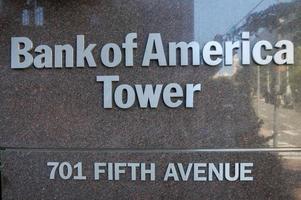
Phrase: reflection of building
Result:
[101,21]
[49,109]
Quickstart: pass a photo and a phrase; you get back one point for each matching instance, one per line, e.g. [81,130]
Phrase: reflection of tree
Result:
[283,19]
[269,18]
[223,118]
[231,117]
[241,120]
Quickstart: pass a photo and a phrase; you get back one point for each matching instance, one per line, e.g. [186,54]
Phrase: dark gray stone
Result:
[57,114]
[26,176]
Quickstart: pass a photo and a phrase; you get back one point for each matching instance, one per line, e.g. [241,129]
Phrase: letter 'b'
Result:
[17,52]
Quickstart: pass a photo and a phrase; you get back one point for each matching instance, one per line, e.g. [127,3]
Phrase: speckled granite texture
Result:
[48,115]
[62,108]
[272,181]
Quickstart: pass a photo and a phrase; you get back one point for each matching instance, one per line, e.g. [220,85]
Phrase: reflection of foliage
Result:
[285,17]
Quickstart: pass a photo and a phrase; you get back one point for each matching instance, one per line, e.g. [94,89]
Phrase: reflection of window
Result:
[1,5]
[25,17]
[39,16]
[32,14]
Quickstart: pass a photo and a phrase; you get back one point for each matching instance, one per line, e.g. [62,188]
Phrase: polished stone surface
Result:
[275,176]
[57,114]
[62,108]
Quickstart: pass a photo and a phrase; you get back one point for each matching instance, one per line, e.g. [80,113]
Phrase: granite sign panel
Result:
[164,99]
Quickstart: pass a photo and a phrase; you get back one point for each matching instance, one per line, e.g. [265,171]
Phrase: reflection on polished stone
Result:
[56,117]
[276,176]
[63,108]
